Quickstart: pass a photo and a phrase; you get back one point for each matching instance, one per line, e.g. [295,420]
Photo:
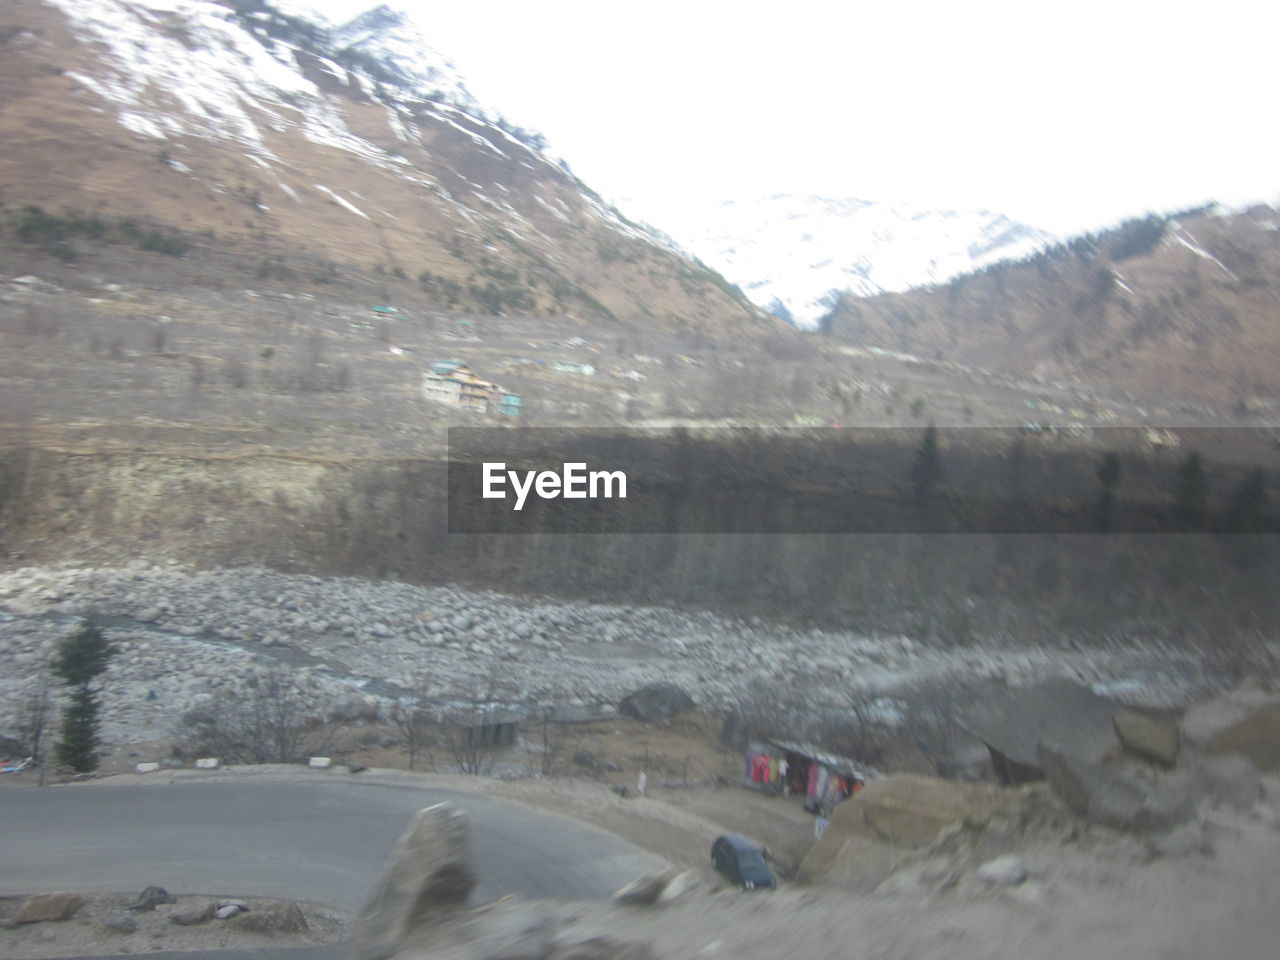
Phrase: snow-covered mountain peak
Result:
[394,39]
[790,252]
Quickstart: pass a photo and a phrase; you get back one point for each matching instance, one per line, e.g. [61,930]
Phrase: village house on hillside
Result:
[452,381]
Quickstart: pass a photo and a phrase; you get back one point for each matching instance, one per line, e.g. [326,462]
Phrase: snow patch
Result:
[345,203]
[1201,252]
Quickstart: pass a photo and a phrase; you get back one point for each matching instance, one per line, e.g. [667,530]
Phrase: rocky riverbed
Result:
[352,647]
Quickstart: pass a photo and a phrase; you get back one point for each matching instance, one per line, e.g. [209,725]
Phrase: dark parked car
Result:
[742,862]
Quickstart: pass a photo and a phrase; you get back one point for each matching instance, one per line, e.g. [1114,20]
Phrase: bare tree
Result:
[550,738]
[267,723]
[416,725]
[476,731]
[33,721]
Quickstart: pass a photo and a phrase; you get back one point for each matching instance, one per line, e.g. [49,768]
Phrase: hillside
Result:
[309,150]
[1181,308]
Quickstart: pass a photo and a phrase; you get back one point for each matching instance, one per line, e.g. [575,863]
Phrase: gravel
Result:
[353,647]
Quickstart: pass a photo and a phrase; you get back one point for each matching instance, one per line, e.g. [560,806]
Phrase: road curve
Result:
[325,842]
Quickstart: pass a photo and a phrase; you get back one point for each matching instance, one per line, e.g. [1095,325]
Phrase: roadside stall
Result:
[797,769]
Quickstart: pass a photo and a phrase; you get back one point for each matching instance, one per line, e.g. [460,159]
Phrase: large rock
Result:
[851,862]
[189,914]
[513,930]
[1150,738]
[862,843]
[662,887]
[152,897]
[1012,724]
[120,923]
[1245,721]
[1090,791]
[910,810]
[429,874]
[655,702]
[1008,870]
[1184,841]
[1114,800]
[1231,780]
[283,916]
[48,906]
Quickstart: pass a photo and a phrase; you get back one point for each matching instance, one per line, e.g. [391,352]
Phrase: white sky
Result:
[1067,115]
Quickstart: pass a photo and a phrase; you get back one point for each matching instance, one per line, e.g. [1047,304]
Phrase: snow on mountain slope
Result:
[791,252]
[354,145]
[186,67]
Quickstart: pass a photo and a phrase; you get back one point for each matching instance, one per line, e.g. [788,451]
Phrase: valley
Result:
[258,268]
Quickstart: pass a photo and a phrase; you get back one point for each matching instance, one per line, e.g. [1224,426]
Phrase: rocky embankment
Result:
[351,647]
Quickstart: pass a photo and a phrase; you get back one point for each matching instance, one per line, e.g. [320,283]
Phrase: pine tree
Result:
[926,469]
[81,658]
[1109,472]
[1245,512]
[1246,520]
[1192,500]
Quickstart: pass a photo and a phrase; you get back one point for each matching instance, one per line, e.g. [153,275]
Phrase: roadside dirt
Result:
[86,934]
[1089,893]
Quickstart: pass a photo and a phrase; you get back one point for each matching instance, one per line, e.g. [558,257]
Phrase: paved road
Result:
[306,840]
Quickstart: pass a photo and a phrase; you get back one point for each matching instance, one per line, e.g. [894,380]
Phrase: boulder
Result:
[1230,779]
[1006,871]
[48,906]
[1012,723]
[513,930]
[429,874]
[1184,841]
[1114,800]
[860,847]
[283,916]
[1245,721]
[1090,791]
[679,885]
[1148,738]
[120,922]
[655,702]
[910,810]
[1168,804]
[654,887]
[151,898]
[848,861]
[190,914]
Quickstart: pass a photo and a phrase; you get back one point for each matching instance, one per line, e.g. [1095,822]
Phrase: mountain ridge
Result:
[253,125]
[1175,306]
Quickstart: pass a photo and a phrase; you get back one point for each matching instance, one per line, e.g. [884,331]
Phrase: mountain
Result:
[392,40]
[308,148]
[793,254]
[1180,306]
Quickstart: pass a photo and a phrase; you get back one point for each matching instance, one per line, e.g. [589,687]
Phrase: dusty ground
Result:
[1091,892]
[85,934]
